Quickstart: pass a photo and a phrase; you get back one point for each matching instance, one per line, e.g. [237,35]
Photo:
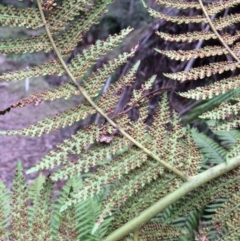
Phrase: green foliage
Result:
[32,212]
[119,168]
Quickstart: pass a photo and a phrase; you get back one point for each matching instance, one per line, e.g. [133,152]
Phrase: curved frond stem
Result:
[99,110]
[172,197]
[217,34]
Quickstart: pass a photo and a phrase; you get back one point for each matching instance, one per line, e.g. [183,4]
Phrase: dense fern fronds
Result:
[33,212]
[219,23]
[119,166]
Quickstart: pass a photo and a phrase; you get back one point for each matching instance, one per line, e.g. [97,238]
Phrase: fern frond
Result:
[89,56]
[63,91]
[106,175]
[196,36]
[133,182]
[50,68]
[228,138]
[42,217]
[234,151]
[203,71]
[222,112]
[110,98]
[216,7]
[60,16]
[93,158]
[179,5]
[66,118]
[228,216]
[214,89]
[211,8]
[156,231]
[70,38]
[25,45]
[94,83]
[64,222]
[227,21]
[19,213]
[157,129]
[33,195]
[16,17]
[220,187]
[79,64]
[73,145]
[145,197]
[211,150]
[180,20]
[227,125]
[4,211]
[193,54]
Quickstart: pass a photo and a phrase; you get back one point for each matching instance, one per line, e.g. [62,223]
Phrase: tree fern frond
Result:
[211,150]
[63,91]
[145,197]
[64,119]
[109,99]
[214,89]
[78,64]
[133,183]
[196,36]
[179,20]
[178,4]
[89,56]
[60,16]
[4,211]
[156,231]
[216,7]
[203,71]
[228,216]
[50,68]
[16,17]
[33,195]
[234,151]
[192,54]
[220,187]
[93,158]
[70,38]
[227,125]
[64,222]
[42,216]
[18,211]
[25,45]
[161,118]
[74,145]
[228,138]
[227,21]
[222,112]
[94,83]
[106,175]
